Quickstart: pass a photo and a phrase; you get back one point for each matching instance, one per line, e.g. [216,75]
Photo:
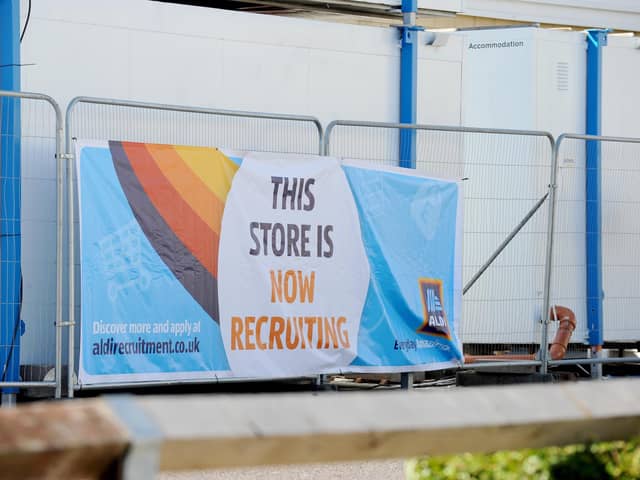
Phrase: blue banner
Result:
[198,263]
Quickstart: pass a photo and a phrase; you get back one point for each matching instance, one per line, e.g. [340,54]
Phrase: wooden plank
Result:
[248,430]
[81,439]
[89,438]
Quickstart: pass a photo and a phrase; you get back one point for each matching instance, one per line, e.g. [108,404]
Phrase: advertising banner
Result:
[200,263]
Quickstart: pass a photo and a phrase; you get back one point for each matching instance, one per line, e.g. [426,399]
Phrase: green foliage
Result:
[598,461]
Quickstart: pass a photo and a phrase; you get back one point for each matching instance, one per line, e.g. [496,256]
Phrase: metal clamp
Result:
[65,324]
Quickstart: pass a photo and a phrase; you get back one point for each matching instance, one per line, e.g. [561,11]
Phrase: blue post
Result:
[596,39]
[408,99]
[10,271]
[408,81]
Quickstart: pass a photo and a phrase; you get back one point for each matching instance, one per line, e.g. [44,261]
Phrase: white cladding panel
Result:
[524,78]
[498,86]
[620,192]
[620,92]
[561,81]
[530,79]
[206,57]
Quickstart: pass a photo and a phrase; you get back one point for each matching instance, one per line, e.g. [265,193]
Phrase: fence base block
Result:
[8,400]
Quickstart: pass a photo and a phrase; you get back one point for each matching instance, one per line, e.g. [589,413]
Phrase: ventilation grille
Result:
[562,76]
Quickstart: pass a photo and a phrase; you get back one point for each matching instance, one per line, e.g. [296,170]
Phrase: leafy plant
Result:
[598,461]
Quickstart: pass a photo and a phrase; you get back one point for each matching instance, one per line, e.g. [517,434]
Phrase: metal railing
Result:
[92,117]
[519,257]
[507,177]
[620,237]
[34,135]
[101,118]
[136,437]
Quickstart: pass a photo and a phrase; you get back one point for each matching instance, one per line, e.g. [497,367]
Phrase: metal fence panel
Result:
[620,202]
[620,240]
[35,335]
[110,119]
[100,118]
[568,282]
[507,176]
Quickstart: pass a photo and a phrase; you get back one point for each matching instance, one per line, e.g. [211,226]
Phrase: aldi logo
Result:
[435,318]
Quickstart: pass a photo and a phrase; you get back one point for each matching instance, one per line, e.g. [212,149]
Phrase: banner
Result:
[198,263]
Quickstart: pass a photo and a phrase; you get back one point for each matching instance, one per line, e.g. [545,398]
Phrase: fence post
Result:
[60,162]
[548,264]
[325,139]
[71,256]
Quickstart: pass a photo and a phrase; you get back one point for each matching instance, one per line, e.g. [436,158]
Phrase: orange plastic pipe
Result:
[567,320]
[558,349]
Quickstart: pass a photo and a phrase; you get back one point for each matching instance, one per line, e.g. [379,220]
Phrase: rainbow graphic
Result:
[178,194]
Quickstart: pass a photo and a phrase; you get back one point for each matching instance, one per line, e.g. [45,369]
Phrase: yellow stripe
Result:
[212,167]
[188,185]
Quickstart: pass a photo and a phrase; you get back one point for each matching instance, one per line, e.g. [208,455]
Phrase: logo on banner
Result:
[435,317]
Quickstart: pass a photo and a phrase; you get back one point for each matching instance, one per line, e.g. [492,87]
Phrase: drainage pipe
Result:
[559,346]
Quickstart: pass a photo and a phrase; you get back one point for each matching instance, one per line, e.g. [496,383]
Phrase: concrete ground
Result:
[373,470]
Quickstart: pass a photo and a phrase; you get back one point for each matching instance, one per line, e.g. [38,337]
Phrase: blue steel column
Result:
[408,81]
[408,100]
[596,39]
[10,193]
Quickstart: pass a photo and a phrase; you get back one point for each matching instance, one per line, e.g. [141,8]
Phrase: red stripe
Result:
[192,231]
[188,185]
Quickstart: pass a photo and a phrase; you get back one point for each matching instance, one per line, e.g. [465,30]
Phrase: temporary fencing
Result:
[32,235]
[101,118]
[525,233]
[506,176]
[608,309]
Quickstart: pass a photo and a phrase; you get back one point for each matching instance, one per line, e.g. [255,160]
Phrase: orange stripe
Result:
[192,231]
[213,167]
[188,185]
